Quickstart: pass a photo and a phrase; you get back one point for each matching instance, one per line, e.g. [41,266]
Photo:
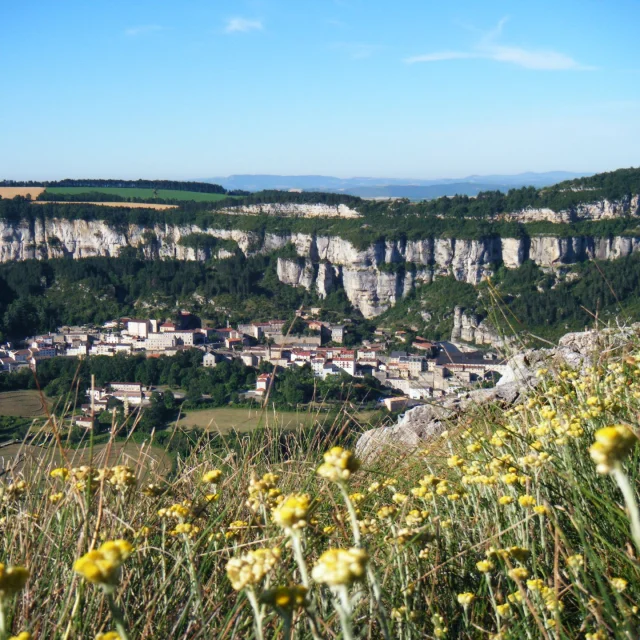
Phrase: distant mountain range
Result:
[394,187]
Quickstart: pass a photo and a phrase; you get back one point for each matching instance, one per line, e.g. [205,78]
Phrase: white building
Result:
[262,383]
[139,328]
[346,363]
[209,360]
[160,341]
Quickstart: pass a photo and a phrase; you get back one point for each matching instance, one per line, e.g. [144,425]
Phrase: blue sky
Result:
[409,88]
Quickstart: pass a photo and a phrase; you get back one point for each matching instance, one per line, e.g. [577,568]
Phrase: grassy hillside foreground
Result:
[513,525]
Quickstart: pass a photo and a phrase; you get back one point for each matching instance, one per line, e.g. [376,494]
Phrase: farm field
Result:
[143,458]
[132,192]
[23,404]
[129,205]
[224,419]
[12,192]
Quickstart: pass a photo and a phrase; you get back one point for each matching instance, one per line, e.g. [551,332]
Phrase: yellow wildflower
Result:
[504,610]
[455,461]
[618,584]
[466,598]
[337,567]
[575,561]
[60,472]
[485,566]
[292,512]
[519,573]
[611,446]
[102,566]
[212,477]
[527,501]
[338,465]
[250,568]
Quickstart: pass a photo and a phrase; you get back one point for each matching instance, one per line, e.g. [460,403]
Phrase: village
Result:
[421,371]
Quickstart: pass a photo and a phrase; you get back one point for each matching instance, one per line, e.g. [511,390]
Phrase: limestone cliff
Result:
[325,262]
[601,210]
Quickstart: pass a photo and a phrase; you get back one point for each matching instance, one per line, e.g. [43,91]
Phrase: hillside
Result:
[513,513]
[377,254]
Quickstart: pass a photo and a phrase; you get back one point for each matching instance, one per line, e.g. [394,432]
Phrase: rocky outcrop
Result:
[294,210]
[421,424]
[601,210]
[374,278]
[469,327]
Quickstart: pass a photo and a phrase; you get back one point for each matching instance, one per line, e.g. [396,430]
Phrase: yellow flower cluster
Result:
[338,567]
[122,477]
[177,511]
[292,512]
[212,477]
[338,465]
[102,566]
[250,568]
[263,492]
[612,445]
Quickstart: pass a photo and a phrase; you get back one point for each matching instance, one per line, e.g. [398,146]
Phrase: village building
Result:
[209,360]
[262,383]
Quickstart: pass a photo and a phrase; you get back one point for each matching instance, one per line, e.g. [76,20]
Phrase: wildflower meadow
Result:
[519,522]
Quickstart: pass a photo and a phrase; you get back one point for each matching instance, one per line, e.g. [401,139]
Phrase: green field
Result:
[147,194]
[225,419]
[23,404]
[142,458]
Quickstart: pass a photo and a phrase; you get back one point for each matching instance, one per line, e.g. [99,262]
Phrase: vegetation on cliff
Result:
[460,216]
[527,301]
[516,523]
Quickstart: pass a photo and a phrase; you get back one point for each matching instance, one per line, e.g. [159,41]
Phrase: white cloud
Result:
[242,25]
[146,28]
[488,49]
[438,56]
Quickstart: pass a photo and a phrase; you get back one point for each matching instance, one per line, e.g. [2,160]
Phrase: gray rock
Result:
[421,424]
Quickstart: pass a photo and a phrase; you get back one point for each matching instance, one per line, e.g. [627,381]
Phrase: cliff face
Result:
[325,262]
[601,210]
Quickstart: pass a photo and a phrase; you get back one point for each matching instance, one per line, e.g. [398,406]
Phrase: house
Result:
[419,391]
[84,422]
[346,363]
[317,366]
[262,383]
[77,351]
[167,327]
[138,328]
[232,343]
[135,387]
[395,404]
[7,365]
[21,355]
[160,341]
[249,359]
[209,360]
[337,333]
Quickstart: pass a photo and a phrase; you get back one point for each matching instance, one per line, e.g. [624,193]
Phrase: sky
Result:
[402,89]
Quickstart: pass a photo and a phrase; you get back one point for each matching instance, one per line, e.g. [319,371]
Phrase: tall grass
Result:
[502,528]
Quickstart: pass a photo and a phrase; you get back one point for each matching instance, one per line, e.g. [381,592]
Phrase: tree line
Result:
[173,185]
